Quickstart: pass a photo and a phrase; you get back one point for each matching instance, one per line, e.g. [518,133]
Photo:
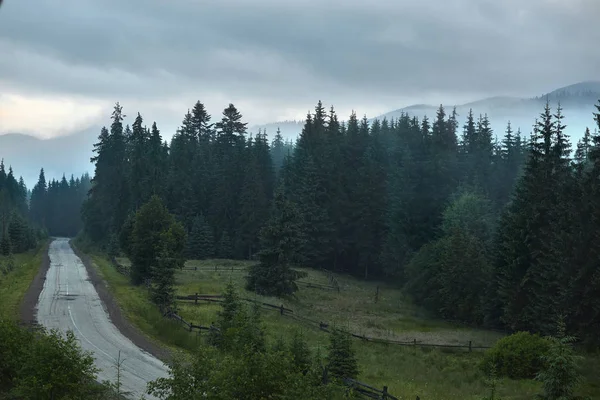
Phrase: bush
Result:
[518,356]
[45,365]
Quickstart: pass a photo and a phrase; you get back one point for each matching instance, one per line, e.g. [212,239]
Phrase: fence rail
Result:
[287,312]
[325,327]
[217,298]
[216,268]
[362,389]
[368,391]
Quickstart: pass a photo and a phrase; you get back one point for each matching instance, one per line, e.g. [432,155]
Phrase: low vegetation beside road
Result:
[406,370]
[16,274]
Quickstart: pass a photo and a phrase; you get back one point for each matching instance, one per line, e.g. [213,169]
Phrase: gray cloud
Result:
[285,55]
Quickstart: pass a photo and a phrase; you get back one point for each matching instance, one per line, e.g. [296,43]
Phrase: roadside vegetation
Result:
[16,274]
[408,371]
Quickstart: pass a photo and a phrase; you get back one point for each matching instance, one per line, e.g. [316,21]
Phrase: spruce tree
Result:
[278,151]
[281,241]
[300,353]
[341,359]
[169,258]
[150,225]
[201,243]
[529,271]
[5,245]
[225,248]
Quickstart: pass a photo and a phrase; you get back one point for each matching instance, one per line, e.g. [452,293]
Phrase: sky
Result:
[64,63]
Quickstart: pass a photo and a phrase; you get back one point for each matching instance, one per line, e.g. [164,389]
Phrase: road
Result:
[69,301]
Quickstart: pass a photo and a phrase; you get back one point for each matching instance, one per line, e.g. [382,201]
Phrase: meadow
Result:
[408,371]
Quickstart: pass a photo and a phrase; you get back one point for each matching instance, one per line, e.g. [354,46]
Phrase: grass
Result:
[138,309]
[407,371]
[14,285]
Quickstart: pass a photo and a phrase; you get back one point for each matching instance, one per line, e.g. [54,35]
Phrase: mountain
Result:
[577,101]
[59,155]
[289,129]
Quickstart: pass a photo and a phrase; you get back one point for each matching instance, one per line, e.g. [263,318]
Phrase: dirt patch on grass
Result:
[115,314]
[27,310]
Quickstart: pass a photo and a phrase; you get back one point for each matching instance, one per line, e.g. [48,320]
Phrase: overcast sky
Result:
[63,63]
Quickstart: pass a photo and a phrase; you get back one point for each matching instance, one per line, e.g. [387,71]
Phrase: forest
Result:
[49,209]
[488,229]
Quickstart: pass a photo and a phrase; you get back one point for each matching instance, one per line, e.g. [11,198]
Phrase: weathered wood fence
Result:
[368,391]
[325,327]
[217,298]
[287,312]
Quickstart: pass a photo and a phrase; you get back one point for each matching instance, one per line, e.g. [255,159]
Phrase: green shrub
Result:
[518,356]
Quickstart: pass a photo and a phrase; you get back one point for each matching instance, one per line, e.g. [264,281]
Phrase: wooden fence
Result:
[325,327]
[189,326]
[332,279]
[361,389]
[217,298]
[286,312]
[216,268]
[123,270]
[368,391]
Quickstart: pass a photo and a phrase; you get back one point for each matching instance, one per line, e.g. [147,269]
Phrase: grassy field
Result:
[14,285]
[406,370]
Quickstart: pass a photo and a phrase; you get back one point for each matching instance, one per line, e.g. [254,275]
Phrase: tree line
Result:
[485,230]
[17,233]
[55,206]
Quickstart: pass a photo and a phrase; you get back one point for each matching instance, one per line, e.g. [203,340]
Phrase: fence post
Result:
[281,310]
[377,295]
[470,346]
[385,393]
[415,342]
[195,268]
[196,299]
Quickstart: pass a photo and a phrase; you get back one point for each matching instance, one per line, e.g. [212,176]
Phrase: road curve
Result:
[69,301]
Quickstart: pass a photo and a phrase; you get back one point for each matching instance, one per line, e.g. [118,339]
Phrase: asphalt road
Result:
[69,301]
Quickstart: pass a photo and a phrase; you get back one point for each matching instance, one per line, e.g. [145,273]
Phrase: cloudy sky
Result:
[63,63]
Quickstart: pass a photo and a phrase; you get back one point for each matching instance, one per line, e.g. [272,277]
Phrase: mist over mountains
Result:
[577,101]
[71,154]
[59,155]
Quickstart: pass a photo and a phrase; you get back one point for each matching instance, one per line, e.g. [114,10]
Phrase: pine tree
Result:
[529,270]
[254,197]
[226,318]
[17,233]
[225,249]
[5,245]
[281,240]
[139,178]
[151,222]
[169,259]
[341,360]
[300,353]
[278,151]
[38,200]
[201,243]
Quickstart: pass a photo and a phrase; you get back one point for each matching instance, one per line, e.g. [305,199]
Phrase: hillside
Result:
[426,371]
[58,156]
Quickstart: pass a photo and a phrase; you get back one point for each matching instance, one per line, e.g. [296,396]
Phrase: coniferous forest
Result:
[51,208]
[497,229]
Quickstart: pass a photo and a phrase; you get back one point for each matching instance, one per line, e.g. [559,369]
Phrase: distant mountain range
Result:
[71,154]
[59,155]
[577,101]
